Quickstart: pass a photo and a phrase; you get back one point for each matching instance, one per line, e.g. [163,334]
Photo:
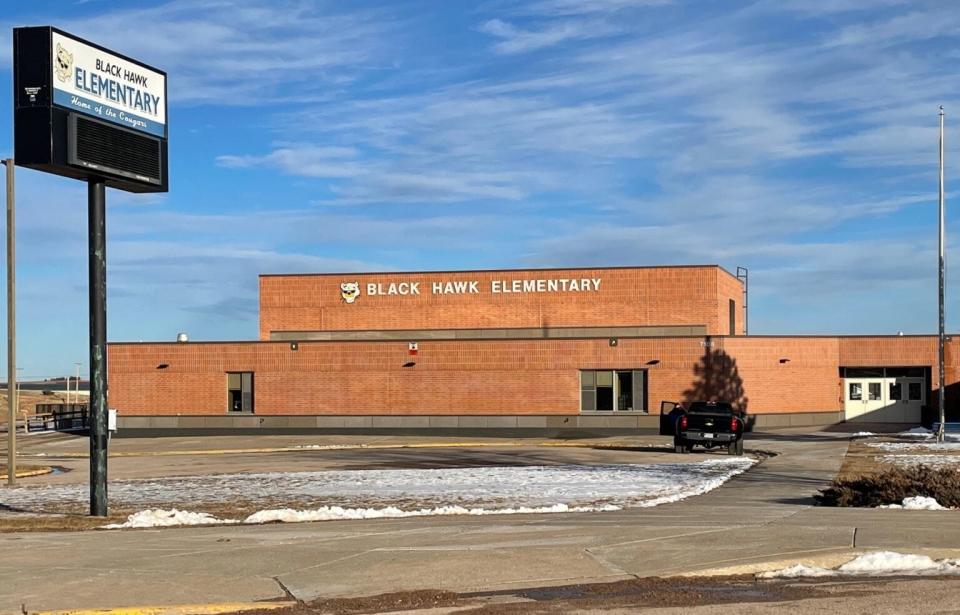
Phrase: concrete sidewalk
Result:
[763,515]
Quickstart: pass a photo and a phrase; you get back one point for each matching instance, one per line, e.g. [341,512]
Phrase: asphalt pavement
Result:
[764,518]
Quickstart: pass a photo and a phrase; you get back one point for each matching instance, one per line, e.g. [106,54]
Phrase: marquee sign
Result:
[86,112]
[95,82]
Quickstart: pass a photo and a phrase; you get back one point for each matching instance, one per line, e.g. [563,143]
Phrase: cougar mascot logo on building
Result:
[63,64]
[350,291]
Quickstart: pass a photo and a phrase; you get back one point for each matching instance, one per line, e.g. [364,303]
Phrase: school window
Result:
[613,390]
[732,310]
[240,392]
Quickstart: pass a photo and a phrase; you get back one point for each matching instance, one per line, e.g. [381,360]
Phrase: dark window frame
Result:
[638,395]
[245,394]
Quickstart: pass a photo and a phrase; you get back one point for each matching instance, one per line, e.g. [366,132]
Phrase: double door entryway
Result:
[884,394]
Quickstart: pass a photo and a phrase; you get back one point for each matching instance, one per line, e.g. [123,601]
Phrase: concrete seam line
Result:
[182,609]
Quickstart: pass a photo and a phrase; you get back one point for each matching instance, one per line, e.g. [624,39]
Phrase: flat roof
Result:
[552,339]
[509,270]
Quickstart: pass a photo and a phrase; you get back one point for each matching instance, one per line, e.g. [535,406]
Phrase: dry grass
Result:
[861,460]
[28,402]
[892,485]
[54,523]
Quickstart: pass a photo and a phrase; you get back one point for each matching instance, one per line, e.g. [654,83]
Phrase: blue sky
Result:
[794,137]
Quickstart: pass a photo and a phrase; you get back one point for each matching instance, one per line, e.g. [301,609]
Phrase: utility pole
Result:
[941,431]
[11,333]
[76,397]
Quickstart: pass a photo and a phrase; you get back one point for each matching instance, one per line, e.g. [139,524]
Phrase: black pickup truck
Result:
[706,423]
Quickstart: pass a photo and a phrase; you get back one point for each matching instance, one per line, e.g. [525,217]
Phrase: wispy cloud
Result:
[242,52]
[517,40]
[796,137]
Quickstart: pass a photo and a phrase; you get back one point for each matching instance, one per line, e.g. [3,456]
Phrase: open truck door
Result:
[668,417]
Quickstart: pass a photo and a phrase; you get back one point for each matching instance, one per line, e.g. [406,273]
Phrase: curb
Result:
[181,609]
[29,473]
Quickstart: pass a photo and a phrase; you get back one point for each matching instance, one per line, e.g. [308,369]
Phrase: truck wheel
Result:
[679,446]
[740,446]
[735,447]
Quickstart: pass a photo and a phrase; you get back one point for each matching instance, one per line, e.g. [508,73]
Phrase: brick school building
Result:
[526,351]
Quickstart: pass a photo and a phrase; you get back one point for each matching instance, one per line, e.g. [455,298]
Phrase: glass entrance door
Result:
[863,397]
[884,394]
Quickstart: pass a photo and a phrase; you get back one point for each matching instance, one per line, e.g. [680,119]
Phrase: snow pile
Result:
[862,434]
[334,513]
[797,571]
[917,502]
[166,518]
[174,517]
[876,563]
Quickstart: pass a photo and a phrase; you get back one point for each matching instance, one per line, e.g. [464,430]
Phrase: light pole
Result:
[941,431]
[11,331]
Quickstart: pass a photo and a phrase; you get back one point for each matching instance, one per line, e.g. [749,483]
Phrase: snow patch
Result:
[917,431]
[166,518]
[497,487]
[334,513]
[862,434]
[932,461]
[876,563]
[917,502]
[892,447]
[922,432]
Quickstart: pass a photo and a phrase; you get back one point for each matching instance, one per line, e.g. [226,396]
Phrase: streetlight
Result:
[11,329]
[76,397]
[19,382]
[943,418]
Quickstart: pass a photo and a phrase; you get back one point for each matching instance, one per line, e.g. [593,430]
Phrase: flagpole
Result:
[940,432]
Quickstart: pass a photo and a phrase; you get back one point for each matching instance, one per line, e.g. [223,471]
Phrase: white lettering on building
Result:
[545,286]
[472,287]
[393,288]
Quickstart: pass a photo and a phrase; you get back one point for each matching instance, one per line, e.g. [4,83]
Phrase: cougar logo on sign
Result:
[350,291]
[63,64]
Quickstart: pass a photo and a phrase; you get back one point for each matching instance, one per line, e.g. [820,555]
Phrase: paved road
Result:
[764,515]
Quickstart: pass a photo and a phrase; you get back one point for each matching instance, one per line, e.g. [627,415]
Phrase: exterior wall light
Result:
[614,341]
[784,360]
[294,346]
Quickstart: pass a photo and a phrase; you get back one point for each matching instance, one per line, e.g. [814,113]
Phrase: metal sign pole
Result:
[12,400]
[940,432]
[97,238]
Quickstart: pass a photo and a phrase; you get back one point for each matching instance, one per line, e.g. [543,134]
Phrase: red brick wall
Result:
[627,297]
[729,287]
[490,377]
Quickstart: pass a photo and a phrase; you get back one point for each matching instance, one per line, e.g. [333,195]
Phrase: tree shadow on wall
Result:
[717,379]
